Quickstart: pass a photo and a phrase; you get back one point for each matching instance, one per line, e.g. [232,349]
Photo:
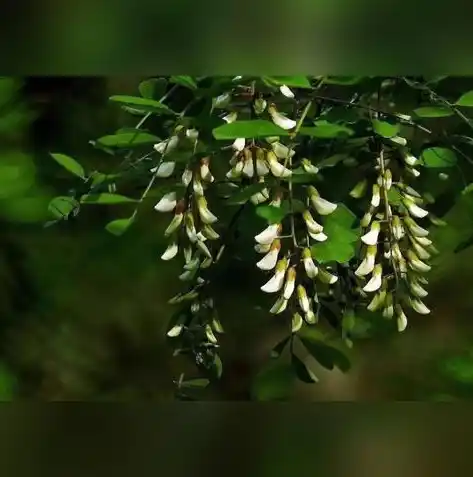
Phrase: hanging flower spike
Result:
[415,229]
[290,283]
[239,144]
[270,233]
[375,283]
[304,302]
[280,120]
[167,203]
[205,170]
[367,265]
[309,167]
[312,226]
[277,169]
[309,266]
[279,306]
[371,238]
[167,146]
[359,190]
[268,262]
[322,206]
[285,91]
[170,252]
[414,209]
[164,170]
[282,151]
[206,216]
[418,306]
[276,282]
[401,319]
[375,198]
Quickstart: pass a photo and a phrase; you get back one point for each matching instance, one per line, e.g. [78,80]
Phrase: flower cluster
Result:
[396,249]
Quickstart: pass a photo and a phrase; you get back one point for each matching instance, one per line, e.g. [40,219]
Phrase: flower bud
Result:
[206,216]
[303,299]
[308,167]
[401,319]
[290,283]
[279,306]
[375,198]
[205,170]
[326,277]
[297,322]
[175,223]
[359,190]
[418,306]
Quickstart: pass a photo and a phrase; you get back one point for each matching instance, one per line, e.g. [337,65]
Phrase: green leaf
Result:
[273,215]
[274,382]
[248,129]
[332,161]
[433,112]
[327,356]
[128,139]
[244,195]
[438,157]
[142,104]
[186,81]
[385,129]
[61,207]
[303,371]
[460,368]
[394,196]
[343,80]
[69,164]
[291,81]
[279,348]
[105,198]
[195,383]
[119,226]
[326,130]
[466,100]
[8,384]
[152,87]
[341,242]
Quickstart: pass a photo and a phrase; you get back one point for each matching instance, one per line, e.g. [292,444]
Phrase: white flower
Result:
[409,159]
[309,167]
[259,105]
[417,289]
[206,216]
[320,237]
[378,301]
[190,227]
[366,219]
[268,262]
[282,151]
[386,181]
[420,251]
[371,238]
[310,268]
[423,241]
[279,306]
[260,197]
[304,302]
[170,252]
[167,203]
[310,317]
[375,198]
[164,170]
[290,283]
[414,209]
[276,282]
[277,169]
[412,171]
[326,277]
[359,190]
[176,330]
[269,234]
[322,206]
[192,134]
[231,117]
[175,223]
[286,91]
[239,144]
[205,170]
[203,248]
[367,265]
[248,167]
[415,229]
[197,186]
[281,120]
[418,306]
[375,281]
[399,140]
[401,319]
[209,232]
[313,226]
[167,146]
[388,311]
[398,229]
[261,166]
[416,264]
[296,323]
[186,176]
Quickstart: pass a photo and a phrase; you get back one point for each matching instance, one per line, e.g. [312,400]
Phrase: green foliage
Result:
[342,264]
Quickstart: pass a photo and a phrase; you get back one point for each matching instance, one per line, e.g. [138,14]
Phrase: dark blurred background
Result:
[83,314]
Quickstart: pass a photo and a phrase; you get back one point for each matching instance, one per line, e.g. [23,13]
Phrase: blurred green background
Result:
[83,314]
